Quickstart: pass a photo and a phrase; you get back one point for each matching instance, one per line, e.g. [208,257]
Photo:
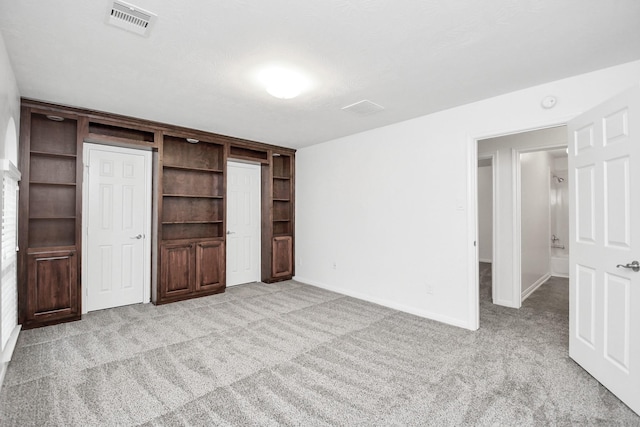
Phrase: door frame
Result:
[258,259]
[472,213]
[87,146]
[494,220]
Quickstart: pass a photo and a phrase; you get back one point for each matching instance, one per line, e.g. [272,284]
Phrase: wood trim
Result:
[293,214]
[247,159]
[148,125]
[114,140]
[83,130]
[266,226]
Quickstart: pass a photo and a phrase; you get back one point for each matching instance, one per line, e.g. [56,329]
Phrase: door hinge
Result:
[474,243]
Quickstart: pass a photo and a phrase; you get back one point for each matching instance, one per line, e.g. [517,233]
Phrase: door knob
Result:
[231,232]
[634,265]
[138,237]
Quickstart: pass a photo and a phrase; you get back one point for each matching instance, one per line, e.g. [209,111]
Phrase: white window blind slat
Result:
[8,258]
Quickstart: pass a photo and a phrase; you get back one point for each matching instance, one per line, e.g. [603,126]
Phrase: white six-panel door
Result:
[118,200]
[604,179]
[243,223]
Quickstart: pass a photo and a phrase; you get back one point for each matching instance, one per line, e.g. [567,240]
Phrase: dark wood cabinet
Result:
[191,269]
[210,266]
[191,231]
[189,207]
[278,219]
[282,260]
[50,210]
[52,286]
[178,269]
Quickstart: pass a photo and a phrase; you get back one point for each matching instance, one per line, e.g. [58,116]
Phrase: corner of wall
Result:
[7,353]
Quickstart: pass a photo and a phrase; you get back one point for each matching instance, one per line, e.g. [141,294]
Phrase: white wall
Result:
[485,213]
[390,207]
[9,120]
[9,106]
[535,230]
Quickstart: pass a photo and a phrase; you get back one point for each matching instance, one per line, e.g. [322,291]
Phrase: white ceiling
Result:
[413,57]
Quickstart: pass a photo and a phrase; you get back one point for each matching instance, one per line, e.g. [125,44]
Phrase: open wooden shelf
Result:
[67,184]
[192,231]
[52,154]
[206,156]
[168,166]
[192,183]
[195,196]
[117,133]
[192,222]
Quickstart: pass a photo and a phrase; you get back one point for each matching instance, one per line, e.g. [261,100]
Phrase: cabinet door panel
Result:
[53,285]
[282,256]
[177,269]
[210,266]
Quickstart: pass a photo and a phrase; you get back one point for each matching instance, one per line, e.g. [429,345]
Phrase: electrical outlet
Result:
[335,265]
[300,261]
[429,290]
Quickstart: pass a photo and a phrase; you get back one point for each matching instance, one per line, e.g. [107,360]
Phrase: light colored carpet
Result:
[292,354]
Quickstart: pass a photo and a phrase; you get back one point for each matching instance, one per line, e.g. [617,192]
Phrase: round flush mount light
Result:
[192,140]
[282,82]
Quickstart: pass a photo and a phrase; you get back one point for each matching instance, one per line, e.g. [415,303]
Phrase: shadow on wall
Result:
[11,142]
[559,217]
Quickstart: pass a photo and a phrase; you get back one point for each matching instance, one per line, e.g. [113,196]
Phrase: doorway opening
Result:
[513,204]
[602,157]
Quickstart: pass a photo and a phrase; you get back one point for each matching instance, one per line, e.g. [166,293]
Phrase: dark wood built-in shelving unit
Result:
[278,208]
[192,232]
[189,207]
[50,209]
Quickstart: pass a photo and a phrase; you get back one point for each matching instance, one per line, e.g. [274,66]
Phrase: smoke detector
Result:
[131,18]
[364,108]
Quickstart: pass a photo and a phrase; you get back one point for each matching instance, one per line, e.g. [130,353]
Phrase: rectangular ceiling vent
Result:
[131,18]
[364,108]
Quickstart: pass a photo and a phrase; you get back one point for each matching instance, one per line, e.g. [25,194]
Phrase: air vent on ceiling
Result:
[131,18]
[364,108]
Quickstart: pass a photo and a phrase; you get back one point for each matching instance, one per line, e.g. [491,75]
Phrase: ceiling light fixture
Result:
[192,140]
[283,83]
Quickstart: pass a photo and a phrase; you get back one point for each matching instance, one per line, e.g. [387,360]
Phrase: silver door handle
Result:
[138,237]
[231,232]
[634,265]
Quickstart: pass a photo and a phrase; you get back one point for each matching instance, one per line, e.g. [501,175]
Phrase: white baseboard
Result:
[531,289]
[485,260]
[5,357]
[386,303]
[564,276]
